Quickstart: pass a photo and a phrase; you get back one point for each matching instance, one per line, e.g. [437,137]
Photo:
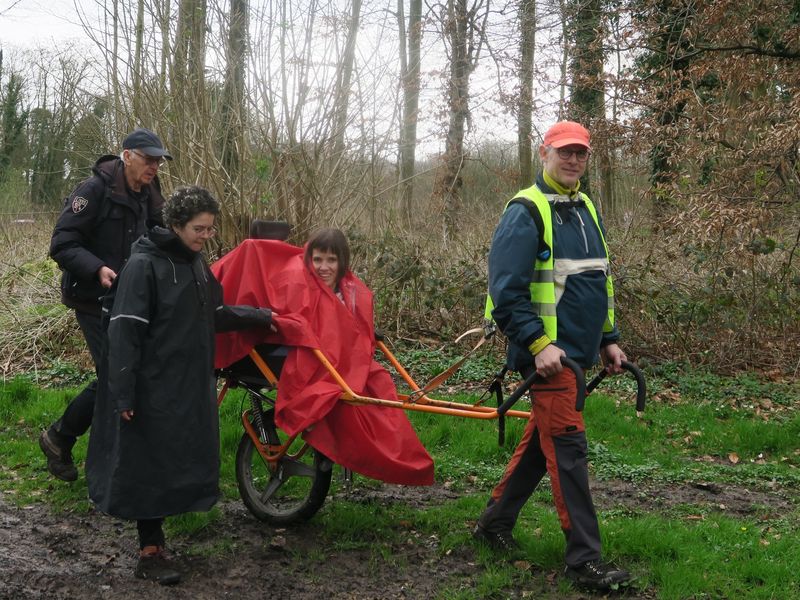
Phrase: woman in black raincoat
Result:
[154,445]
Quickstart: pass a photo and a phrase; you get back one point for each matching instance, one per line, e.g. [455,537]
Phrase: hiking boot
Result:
[154,565]
[597,575]
[59,458]
[501,541]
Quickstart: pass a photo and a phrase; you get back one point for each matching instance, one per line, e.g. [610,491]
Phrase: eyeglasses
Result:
[565,154]
[201,230]
[150,160]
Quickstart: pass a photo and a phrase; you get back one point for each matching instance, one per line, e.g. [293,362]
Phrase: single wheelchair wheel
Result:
[289,491]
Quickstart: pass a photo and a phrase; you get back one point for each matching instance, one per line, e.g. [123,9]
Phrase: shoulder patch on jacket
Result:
[78,204]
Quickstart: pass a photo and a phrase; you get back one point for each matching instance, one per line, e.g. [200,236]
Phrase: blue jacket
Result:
[582,309]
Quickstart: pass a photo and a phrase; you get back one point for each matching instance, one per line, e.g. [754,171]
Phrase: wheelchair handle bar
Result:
[641,387]
[580,386]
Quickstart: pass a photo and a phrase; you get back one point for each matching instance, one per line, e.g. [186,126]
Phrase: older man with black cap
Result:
[550,293]
[91,242]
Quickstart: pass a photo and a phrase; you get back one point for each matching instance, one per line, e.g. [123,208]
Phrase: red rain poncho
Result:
[376,441]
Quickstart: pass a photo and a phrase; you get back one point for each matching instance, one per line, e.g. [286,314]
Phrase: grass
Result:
[697,429]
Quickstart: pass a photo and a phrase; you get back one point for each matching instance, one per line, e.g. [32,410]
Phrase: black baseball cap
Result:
[146,141]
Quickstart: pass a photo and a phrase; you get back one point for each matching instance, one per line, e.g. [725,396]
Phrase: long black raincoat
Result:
[160,364]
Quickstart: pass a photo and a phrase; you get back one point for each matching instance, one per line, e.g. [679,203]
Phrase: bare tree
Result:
[464,28]
[527,23]
[562,88]
[116,89]
[188,78]
[343,79]
[52,125]
[587,100]
[410,43]
[13,119]
[233,102]
[669,57]
[162,14]
[138,58]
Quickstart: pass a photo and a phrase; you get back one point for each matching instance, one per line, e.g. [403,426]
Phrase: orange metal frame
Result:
[424,403]
[417,402]
[269,452]
[420,402]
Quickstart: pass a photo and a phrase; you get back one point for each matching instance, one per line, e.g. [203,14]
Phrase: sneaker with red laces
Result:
[153,565]
[502,541]
[597,575]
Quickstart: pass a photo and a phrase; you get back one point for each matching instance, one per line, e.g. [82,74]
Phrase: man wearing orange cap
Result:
[550,293]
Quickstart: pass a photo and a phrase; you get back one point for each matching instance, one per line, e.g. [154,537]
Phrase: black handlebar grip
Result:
[580,386]
[580,382]
[517,394]
[641,386]
[596,381]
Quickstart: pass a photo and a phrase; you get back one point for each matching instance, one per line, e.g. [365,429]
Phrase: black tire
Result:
[291,492]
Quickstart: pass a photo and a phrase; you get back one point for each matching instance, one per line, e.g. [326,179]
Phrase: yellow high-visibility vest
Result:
[543,289]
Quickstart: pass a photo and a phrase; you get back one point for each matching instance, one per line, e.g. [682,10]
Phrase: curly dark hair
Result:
[186,203]
[330,240]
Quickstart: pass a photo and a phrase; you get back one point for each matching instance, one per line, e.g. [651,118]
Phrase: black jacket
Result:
[160,364]
[100,220]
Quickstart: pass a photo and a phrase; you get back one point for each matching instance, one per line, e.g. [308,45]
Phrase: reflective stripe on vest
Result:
[542,288]
[608,326]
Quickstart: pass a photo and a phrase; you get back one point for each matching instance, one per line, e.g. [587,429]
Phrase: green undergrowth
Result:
[425,363]
[736,434]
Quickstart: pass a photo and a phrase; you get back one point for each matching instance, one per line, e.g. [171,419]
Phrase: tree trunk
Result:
[197,49]
[233,102]
[343,80]
[188,89]
[116,91]
[587,101]
[669,41]
[178,83]
[138,57]
[13,120]
[527,21]
[410,79]
[163,13]
[562,88]
[462,29]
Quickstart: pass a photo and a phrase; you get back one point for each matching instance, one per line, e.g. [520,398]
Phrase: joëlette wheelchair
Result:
[283,480]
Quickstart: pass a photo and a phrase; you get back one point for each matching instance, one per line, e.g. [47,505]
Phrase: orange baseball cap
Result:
[566,133]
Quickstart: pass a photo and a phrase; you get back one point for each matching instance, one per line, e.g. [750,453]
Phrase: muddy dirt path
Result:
[87,556]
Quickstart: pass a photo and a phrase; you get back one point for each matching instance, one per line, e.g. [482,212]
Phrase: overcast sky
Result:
[32,23]
[55,24]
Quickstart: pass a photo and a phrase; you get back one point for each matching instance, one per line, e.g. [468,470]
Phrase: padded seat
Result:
[245,370]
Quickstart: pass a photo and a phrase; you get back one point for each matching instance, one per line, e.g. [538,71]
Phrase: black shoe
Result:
[155,566]
[502,541]
[59,459]
[597,575]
